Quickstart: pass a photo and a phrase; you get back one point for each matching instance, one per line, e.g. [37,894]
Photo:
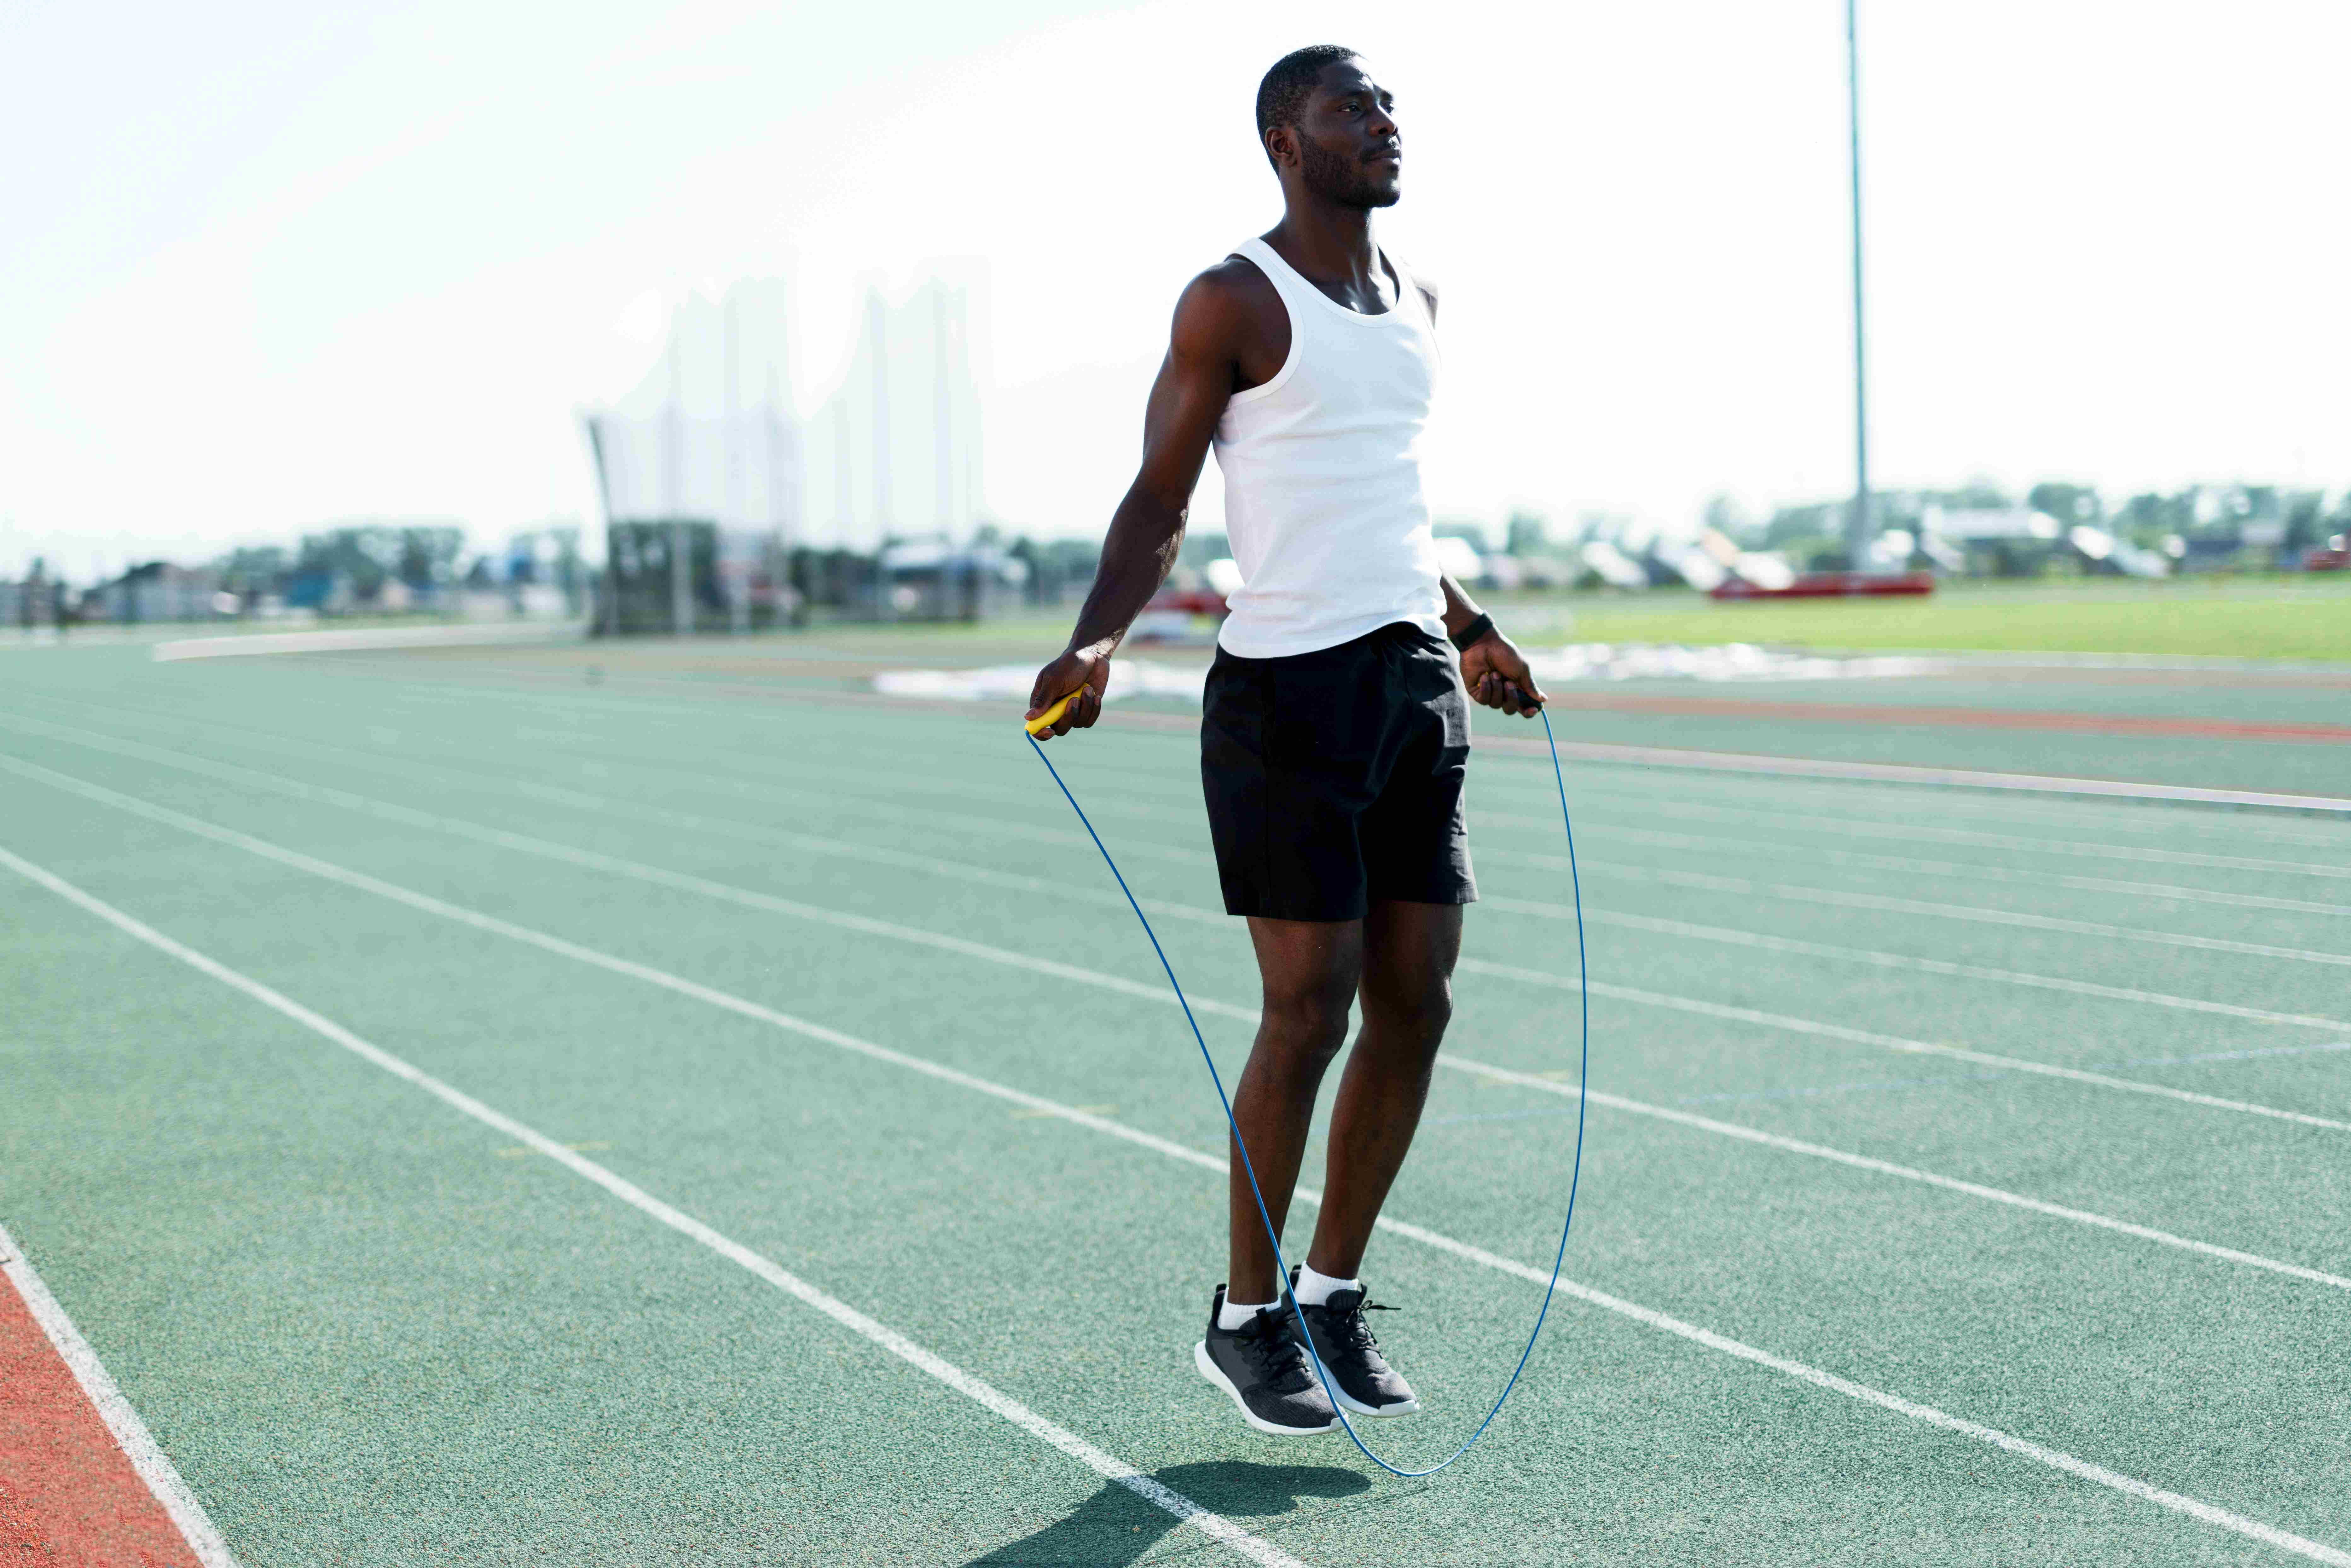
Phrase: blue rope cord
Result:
[1575,1173]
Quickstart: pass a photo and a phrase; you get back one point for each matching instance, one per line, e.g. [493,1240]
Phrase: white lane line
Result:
[1525,906]
[589,860]
[389,811]
[2081,1469]
[1960,781]
[1769,943]
[766,795]
[986,953]
[1936,910]
[1640,790]
[1907,1173]
[1109,1467]
[633,810]
[1639,756]
[1980,915]
[1910,833]
[1910,866]
[1602,830]
[2284,1540]
[867,779]
[130,1434]
[1948,777]
[1894,1043]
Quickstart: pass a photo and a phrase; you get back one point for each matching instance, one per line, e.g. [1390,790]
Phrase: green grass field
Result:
[1969,1177]
[2294,620]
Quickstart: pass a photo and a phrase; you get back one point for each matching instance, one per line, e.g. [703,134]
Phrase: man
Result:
[1336,730]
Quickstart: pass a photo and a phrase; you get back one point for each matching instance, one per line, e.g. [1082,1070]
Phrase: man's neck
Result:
[1325,239]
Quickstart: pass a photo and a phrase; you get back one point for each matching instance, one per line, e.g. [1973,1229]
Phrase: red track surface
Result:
[1963,717]
[69,1497]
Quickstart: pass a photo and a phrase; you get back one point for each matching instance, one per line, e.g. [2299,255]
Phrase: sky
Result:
[270,268]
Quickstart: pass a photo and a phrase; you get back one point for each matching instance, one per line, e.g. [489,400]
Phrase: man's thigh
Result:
[1408,953]
[1307,960]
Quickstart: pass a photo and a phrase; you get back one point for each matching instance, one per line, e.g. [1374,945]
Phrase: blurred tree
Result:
[1790,524]
[2305,519]
[253,568]
[428,556]
[2068,504]
[1725,516]
[2147,519]
[1975,496]
[1815,552]
[368,555]
[1526,535]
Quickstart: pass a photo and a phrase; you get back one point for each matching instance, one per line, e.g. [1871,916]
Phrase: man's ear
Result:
[1281,145]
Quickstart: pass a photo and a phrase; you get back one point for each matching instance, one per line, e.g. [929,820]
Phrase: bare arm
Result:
[1196,380]
[1492,668]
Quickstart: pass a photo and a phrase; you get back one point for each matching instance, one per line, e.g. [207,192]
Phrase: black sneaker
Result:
[1364,1380]
[1264,1366]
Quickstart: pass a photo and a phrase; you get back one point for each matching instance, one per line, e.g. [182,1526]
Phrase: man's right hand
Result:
[1085,668]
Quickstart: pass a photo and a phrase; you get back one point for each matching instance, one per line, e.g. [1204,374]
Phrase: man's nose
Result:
[1383,124]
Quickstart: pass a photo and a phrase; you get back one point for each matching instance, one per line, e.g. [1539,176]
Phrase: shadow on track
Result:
[1115,1527]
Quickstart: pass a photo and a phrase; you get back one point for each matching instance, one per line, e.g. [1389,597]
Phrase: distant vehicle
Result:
[1189,613]
[1830,585]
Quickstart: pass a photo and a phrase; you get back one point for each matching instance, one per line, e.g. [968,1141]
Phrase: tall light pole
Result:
[1860,525]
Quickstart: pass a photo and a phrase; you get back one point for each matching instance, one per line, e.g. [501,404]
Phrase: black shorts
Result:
[1335,778]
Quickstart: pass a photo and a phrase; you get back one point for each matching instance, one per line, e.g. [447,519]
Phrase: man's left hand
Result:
[1497,675]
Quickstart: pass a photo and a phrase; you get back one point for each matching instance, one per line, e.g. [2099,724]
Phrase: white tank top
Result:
[1321,465]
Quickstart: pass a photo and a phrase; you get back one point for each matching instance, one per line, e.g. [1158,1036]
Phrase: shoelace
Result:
[1279,1357]
[1349,1330]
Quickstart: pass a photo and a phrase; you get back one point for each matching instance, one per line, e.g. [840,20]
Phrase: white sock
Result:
[1312,1289]
[1233,1315]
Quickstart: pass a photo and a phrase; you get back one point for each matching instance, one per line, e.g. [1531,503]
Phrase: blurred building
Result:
[159,590]
[35,601]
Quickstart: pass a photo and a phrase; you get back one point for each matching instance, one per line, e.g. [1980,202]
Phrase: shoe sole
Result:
[1214,1374]
[1357,1407]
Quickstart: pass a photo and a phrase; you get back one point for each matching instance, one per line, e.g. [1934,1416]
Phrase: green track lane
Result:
[368,1332]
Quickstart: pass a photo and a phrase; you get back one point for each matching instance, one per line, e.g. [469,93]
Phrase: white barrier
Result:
[369,637]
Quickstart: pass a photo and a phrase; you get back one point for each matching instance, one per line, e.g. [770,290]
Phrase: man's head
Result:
[1328,127]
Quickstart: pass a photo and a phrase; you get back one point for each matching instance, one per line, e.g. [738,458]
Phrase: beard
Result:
[1338,178]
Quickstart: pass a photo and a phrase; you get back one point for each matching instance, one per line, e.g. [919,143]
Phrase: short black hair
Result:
[1283,92]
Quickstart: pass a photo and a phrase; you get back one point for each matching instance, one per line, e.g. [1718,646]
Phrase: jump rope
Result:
[1044,721]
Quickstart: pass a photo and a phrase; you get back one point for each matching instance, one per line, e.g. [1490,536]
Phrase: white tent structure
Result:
[894,443]
[709,433]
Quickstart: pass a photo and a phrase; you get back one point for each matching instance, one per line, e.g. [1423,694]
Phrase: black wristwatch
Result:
[1469,635]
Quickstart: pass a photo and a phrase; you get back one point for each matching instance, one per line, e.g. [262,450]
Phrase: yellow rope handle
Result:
[1046,720]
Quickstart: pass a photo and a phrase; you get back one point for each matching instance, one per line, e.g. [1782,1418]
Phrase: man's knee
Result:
[1416,1015]
[1308,1020]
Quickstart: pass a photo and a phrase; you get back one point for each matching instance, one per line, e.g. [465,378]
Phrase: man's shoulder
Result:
[1226,301]
[1419,280]
[1233,282]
